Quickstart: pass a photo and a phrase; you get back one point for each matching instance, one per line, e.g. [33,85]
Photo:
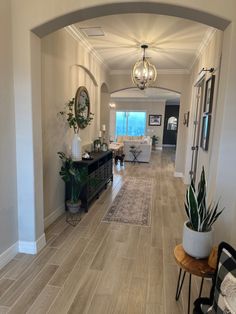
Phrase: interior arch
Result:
[131,7]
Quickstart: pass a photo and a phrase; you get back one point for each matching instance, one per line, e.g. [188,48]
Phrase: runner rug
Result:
[132,205]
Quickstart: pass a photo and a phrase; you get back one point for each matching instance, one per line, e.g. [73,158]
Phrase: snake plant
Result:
[201,217]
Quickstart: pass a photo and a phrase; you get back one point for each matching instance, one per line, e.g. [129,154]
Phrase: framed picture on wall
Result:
[154,120]
[209,92]
[206,124]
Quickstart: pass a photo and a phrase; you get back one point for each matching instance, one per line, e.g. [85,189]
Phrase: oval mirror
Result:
[82,107]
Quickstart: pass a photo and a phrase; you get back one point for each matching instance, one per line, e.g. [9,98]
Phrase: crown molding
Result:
[78,36]
[159,71]
[206,39]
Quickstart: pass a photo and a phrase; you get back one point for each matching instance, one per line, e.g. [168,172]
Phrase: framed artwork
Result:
[206,124]
[209,92]
[155,119]
[186,119]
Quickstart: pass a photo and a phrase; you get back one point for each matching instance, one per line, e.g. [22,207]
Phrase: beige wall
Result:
[209,58]
[149,108]
[62,74]
[8,192]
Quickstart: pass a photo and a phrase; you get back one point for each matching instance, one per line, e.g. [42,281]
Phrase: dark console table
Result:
[99,172]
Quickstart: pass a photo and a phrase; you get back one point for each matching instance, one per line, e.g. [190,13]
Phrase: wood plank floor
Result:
[101,268]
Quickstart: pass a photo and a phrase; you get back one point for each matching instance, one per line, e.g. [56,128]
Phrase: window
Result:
[130,123]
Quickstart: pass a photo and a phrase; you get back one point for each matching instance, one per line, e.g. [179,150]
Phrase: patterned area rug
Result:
[133,202]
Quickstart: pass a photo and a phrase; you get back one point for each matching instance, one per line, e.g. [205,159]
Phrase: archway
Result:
[28,99]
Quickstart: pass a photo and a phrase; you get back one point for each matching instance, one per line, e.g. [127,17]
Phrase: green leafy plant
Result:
[79,121]
[154,139]
[72,175]
[201,217]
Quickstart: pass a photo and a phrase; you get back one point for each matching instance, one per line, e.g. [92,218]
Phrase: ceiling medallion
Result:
[144,73]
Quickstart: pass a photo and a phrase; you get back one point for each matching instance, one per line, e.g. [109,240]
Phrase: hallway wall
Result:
[61,76]
[8,190]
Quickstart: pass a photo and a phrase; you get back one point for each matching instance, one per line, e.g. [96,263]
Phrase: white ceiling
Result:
[174,43]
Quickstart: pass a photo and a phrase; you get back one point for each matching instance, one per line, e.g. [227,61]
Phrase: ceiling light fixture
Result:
[144,73]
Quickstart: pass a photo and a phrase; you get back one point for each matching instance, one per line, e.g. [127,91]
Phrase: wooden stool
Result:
[193,266]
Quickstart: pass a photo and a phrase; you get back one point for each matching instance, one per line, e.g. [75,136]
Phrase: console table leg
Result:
[179,284]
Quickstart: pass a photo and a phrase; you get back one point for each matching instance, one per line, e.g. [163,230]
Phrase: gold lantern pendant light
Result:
[144,73]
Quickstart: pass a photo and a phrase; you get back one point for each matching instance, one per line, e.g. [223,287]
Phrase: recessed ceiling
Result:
[149,94]
[173,42]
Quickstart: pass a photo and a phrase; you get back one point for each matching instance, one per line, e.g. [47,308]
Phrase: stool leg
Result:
[189,292]
[179,284]
[200,292]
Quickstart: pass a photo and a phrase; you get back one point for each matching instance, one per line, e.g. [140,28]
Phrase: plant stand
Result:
[193,266]
[73,218]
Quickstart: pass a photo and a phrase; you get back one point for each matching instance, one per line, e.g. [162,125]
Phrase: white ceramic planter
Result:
[197,244]
[76,148]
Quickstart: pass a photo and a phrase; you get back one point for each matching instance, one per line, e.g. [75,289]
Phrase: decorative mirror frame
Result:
[80,90]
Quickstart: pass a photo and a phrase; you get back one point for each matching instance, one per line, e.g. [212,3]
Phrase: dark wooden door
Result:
[171,124]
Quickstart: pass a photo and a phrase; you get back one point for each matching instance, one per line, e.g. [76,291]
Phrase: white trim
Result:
[178,175]
[207,38]
[159,148]
[8,255]
[55,214]
[159,71]
[143,99]
[32,247]
[169,145]
[79,36]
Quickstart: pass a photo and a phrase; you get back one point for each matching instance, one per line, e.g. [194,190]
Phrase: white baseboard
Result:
[32,247]
[54,215]
[178,175]
[159,148]
[8,255]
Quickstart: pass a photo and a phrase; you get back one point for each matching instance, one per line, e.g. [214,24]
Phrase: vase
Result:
[197,244]
[73,207]
[76,148]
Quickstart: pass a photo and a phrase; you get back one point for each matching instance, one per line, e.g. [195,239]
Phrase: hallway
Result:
[106,268]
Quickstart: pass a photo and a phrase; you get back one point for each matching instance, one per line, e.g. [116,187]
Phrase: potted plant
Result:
[198,231]
[154,141]
[81,120]
[76,178]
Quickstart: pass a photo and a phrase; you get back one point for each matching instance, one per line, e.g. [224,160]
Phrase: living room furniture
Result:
[116,148]
[135,152]
[193,266]
[223,292]
[144,143]
[100,173]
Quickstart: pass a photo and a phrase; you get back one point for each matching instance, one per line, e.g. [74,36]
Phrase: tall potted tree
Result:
[198,231]
[76,178]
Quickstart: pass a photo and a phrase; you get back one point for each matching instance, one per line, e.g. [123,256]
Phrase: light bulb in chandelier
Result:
[143,73]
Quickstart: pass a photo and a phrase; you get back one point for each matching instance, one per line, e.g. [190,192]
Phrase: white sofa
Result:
[142,143]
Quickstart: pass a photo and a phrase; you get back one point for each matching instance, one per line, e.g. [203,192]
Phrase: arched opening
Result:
[33,70]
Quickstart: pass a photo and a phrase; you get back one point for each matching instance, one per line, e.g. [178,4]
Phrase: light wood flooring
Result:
[101,268]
